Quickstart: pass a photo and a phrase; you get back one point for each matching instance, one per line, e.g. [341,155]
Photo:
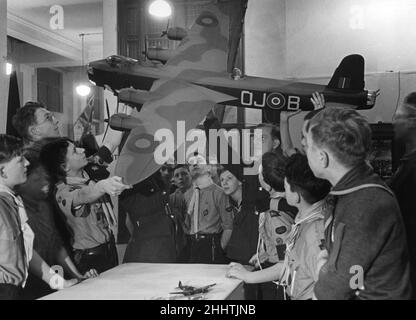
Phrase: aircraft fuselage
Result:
[248,92]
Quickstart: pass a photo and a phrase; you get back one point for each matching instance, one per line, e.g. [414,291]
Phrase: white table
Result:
[144,281]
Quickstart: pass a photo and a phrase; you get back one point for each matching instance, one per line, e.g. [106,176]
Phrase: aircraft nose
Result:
[114,61]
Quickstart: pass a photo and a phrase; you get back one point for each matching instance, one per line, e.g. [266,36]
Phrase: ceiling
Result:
[80,17]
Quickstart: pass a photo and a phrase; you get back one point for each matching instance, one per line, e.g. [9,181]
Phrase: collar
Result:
[17,199]
[6,189]
[204,183]
[358,175]
[312,212]
[235,204]
[277,195]
[76,181]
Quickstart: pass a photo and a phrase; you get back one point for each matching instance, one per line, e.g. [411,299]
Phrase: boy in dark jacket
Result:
[364,234]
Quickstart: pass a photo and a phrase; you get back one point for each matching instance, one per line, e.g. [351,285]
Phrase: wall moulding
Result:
[31,33]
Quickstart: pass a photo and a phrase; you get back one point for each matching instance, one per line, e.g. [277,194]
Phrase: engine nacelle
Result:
[123,122]
[176,33]
[133,96]
[161,55]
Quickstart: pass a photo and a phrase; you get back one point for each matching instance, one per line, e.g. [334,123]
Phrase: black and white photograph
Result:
[228,151]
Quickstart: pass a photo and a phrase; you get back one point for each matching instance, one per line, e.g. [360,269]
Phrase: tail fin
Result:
[349,75]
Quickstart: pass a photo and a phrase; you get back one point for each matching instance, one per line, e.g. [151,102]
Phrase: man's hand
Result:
[92,273]
[318,100]
[372,96]
[112,186]
[237,271]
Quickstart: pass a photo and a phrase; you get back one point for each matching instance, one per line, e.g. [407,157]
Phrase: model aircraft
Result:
[194,79]
[190,290]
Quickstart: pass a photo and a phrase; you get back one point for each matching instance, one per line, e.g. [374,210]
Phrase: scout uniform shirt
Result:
[90,223]
[16,239]
[305,253]
[213,216]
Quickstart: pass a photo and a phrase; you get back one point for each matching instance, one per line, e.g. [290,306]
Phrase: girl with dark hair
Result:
[85,204]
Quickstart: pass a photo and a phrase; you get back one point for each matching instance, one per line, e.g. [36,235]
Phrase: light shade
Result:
[160,9]
[83,90]
[9,68]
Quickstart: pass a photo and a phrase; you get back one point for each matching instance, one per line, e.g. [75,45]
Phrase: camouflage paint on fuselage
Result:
[137,160]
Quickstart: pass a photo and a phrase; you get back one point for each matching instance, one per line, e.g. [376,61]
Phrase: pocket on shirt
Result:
[336,239]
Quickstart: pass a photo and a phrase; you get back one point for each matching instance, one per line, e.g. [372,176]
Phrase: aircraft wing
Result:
[212,41]
[169,102]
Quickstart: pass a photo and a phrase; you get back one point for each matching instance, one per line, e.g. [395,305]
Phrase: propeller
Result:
[87,140]
[164,33]
[118,104]
[146,39]
[115,92]
[108,119]
[90,120]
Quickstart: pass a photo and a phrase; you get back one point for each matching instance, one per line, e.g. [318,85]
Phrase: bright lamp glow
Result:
[83,90]
[160,9]
[9,68]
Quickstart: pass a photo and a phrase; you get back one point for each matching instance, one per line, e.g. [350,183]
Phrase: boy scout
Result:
[304,253]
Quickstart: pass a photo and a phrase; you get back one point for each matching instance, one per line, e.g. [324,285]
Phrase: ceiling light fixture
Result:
[160,9]
[9,68]
[83,89]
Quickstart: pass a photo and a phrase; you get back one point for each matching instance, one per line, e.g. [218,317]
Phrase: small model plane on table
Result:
[194,79]
[188,291]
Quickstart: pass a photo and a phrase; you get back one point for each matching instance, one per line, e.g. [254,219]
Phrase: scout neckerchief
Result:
[235,208]
[312,214]
[28,235]
[105,200]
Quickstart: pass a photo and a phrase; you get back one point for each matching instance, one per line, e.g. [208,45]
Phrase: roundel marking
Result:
[207,20]
[143,143]
[276,101]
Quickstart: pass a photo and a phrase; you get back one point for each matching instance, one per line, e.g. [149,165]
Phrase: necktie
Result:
[193,209]
[196,210]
